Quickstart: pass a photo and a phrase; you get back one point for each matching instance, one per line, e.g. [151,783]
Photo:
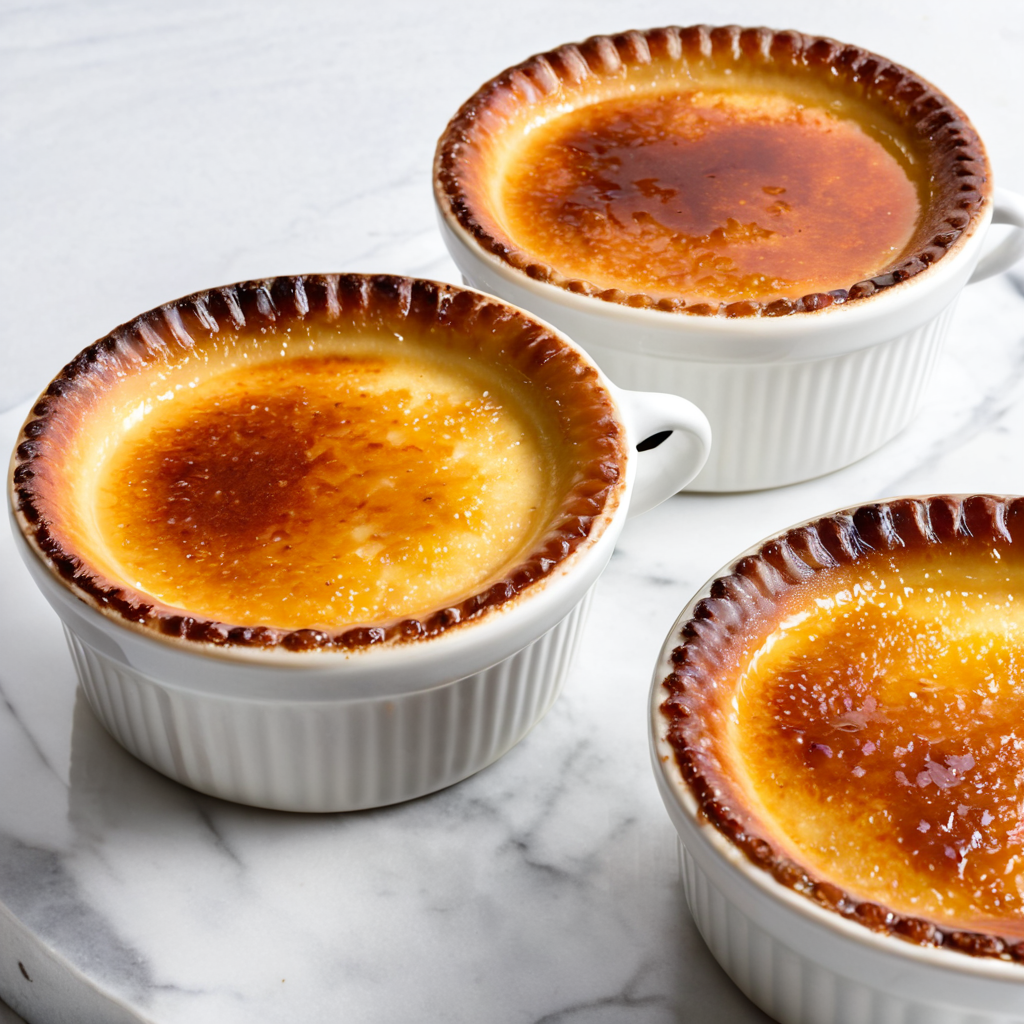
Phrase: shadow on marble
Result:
[118,804]
[8,1016]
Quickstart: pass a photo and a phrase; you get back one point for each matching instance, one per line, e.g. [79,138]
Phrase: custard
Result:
[326,490]
[315,462]
[712,171]
[879,733]
[847,708]
[706,195]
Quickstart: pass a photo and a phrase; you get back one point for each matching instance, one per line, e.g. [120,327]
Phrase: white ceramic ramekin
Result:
[803,964]
[800,962]
[789,397]
[336,729]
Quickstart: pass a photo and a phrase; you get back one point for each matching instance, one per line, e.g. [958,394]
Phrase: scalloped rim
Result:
[961,171]
[534,348]
[749,587]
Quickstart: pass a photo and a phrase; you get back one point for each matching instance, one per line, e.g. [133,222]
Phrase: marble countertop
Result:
[152,150]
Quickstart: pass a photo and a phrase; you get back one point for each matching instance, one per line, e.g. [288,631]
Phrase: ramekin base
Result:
[341,755]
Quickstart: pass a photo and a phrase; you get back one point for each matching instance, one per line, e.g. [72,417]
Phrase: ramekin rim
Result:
[261,292]
[610,53]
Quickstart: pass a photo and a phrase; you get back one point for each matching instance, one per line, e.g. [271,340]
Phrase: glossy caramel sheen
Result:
[707,195]
[879,732]
[325,490]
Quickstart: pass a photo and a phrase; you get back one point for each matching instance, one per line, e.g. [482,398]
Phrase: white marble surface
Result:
[149,150]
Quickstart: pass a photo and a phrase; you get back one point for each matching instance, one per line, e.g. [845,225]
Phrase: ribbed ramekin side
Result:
[791,986]
[779,423]
[330,755]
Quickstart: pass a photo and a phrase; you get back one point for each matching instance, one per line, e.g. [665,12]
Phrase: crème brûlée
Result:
[720,196]
[694,169]
[400,461]
[355,486]
[863,737]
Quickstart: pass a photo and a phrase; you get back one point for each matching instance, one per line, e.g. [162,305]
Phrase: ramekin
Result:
[789,397]
[799,961]
[336,728]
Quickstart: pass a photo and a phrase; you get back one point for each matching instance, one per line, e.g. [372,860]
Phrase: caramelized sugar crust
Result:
[710,194]
[206,519]
[879,730]
[846,708]
[330,490]
[931,145]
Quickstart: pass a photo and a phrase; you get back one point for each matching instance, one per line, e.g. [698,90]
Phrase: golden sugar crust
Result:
[947,807]
[357,480]
[198,328]
[603,67]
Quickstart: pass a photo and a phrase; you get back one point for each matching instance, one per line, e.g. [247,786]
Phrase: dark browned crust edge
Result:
[750,591]
[175,326]
[960,165]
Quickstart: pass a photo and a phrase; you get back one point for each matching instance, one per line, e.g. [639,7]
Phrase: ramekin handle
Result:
[1008,208]
[668,468]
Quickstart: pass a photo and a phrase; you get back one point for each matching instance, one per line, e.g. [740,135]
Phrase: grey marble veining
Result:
[150,150]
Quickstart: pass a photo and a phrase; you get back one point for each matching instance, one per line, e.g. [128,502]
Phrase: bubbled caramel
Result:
[881,729]
[847,706]
[326,491]
[720,196]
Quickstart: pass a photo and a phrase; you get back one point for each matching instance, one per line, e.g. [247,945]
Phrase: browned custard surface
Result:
[880,729]
[712,195]
[325,489]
